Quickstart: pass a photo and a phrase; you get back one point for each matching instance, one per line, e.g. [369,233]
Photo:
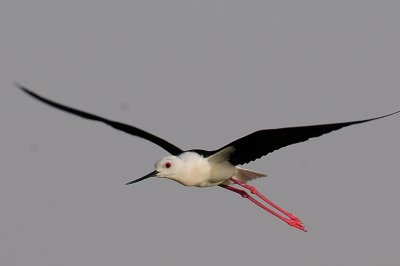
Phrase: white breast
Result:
[200,172]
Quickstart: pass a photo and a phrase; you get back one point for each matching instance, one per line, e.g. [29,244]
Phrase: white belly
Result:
[202,173]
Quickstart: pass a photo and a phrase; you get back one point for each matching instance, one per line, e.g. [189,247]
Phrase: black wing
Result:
[260,143]
[120,126]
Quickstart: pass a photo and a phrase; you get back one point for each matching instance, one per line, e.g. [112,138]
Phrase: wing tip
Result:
[19,86]
[24,89]
[388,114]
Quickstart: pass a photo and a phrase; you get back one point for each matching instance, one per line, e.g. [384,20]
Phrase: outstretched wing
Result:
[262,142]
[117,125]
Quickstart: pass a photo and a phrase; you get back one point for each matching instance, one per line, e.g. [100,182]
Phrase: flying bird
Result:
[202,168]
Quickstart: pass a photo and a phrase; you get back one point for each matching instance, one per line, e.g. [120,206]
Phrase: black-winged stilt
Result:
[201,168]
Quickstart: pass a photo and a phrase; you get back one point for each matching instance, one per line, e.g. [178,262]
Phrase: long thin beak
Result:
[154,173]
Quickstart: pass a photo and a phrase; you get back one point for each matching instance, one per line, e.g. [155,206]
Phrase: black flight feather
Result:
[262,142]
[117,125]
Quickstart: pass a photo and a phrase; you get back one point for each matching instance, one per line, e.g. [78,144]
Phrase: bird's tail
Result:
[247,175]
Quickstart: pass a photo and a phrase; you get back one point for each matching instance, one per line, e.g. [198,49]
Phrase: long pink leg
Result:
[292,221]
[244,194]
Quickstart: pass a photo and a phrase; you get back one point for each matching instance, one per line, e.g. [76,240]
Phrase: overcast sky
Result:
[200,74]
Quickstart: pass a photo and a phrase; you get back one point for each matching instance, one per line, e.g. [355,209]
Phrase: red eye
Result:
[168,165]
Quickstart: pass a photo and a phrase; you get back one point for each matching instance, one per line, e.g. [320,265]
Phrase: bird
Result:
[219,167]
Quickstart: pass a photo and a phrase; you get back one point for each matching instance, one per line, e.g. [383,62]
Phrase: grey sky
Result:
[200,74]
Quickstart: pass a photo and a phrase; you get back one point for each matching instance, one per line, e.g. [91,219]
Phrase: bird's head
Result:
[171,167]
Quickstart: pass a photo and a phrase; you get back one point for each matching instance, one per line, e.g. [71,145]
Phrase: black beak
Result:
[154,173]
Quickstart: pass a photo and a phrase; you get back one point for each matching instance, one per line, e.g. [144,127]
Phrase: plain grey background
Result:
[200,74]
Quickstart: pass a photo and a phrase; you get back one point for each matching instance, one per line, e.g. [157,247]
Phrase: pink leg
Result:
[244,194]
[292,221]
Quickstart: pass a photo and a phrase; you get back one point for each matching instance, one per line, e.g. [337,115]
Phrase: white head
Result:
[171,167]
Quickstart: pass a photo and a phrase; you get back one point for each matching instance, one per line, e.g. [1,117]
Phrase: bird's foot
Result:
[295,222]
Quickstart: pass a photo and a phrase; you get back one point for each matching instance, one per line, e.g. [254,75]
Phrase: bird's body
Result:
[190,169]
[194,170]
[200,168]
